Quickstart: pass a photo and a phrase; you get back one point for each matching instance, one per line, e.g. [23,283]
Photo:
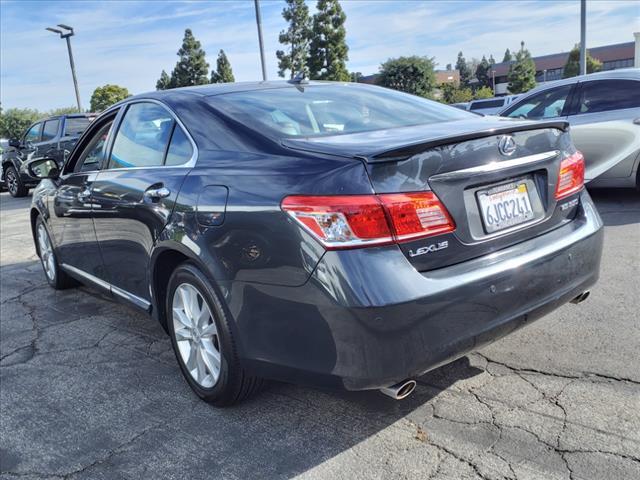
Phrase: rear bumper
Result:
[368,319]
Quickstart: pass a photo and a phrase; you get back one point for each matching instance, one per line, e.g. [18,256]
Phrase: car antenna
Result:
[299,79]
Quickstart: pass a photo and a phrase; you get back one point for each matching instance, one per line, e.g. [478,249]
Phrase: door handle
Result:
[157,193]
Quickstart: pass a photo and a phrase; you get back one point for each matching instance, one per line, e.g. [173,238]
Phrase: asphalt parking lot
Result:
[90,389]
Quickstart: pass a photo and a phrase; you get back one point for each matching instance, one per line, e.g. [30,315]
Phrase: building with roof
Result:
[550,67]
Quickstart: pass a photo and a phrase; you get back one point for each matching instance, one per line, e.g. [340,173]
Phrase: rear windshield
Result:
[320,110]
[76,125]
[486,104]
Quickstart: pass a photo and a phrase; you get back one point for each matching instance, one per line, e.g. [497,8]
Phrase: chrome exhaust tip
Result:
[400,390]
[582,297]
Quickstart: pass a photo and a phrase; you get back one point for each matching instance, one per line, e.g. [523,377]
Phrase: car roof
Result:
[620,74]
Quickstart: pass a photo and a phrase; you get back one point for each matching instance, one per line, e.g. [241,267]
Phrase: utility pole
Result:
[67,34]
[583,37]
[259,22]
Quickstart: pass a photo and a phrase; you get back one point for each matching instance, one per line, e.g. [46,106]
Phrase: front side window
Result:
[605,95]
[320,110]
[547,104]
[143,137]
[92,156]
[50,130]
[487,104]
[33,135]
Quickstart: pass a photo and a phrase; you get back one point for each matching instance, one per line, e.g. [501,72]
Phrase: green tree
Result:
[522,73]
[192,67]
[105,96]
[413,75]
[572,67]
[465,71]
[297,36]
[328,49]
[449,67]
[483,73]
[507,56]
[223,73]
[14,121]
[63,111]
[453,94]
[492,61]
[483,92]
[355,76]
[164,82]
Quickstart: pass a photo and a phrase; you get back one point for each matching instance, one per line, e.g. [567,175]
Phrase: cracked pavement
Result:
[90,388]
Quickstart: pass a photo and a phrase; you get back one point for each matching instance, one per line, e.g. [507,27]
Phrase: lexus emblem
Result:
[506,145]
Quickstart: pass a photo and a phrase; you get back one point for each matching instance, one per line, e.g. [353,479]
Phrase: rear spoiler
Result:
[409,150]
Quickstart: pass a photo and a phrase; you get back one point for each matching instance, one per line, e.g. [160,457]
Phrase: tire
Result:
[13,183]
[231,384]
[55,276]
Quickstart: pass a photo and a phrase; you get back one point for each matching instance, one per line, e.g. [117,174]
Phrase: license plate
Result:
[505,206]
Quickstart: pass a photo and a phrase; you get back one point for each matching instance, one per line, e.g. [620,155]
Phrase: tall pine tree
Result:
[522,73]
[483,73]
[507,56]
[164,82]
[223,72]
[328,50]
[297,36]
[463,68]
[192,68]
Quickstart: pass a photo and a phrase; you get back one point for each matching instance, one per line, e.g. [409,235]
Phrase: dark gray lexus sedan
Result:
[327,234]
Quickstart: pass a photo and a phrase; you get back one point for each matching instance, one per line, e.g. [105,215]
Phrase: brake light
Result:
[359,220]
[571,176]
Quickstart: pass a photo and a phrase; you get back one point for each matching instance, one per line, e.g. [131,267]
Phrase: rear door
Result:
[133,197]
[605,126]
[48,146]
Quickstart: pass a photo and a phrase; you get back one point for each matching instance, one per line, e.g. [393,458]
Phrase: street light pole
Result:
[67,34]
[259,22]
[583,37]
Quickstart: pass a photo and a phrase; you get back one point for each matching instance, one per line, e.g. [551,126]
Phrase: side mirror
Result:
[14,143]
[44,168]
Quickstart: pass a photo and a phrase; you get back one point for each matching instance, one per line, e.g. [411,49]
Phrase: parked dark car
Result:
[49,138]
[332,235]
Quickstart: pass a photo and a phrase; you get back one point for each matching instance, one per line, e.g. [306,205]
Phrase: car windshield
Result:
[76,125]
[320,110]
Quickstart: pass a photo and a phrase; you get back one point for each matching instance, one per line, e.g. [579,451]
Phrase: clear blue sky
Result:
[129,43]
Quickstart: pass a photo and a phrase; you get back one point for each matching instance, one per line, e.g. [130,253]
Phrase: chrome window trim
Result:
[138,301]
[188,164]
[496,166]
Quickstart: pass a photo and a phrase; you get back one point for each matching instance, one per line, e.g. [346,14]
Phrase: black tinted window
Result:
[487,104]
[604,95]
[74,126]
[547,104]
[33,135]
[180,149]
[142,138]
[50,130]
[318,110]
[93,154]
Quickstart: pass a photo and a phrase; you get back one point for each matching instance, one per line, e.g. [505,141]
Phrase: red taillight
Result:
[359,220]
[571,176]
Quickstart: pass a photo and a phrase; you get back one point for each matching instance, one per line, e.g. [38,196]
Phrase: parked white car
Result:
[491,106]
[604,112]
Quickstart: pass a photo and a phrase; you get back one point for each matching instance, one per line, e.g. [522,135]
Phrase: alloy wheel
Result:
[46,253]
[12,182]
[196,335]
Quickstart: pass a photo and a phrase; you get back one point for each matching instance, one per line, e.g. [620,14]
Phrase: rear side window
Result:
[180,149]
[50,129]
[547,104]
[33,135]
[143,137]
[74,126]
[605,95]
[487,104]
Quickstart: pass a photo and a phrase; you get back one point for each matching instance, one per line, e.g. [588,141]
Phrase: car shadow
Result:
[7,202]
[98,375]
[617,206]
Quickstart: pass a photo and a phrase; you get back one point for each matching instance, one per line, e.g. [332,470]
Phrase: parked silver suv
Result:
[604,112]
